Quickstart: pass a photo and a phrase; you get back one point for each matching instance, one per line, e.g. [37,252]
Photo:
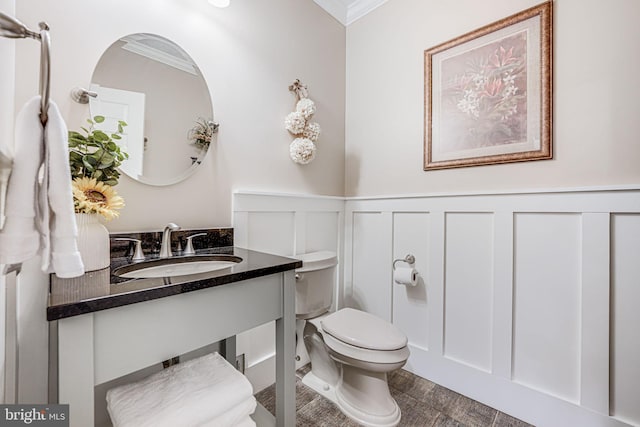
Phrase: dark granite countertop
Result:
[100,290]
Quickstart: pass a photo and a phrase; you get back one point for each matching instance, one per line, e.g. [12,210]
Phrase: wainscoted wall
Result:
[283,225]
[526,301]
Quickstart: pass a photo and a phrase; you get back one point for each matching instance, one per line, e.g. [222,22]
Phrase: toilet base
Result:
[364,396]
[337,397]
[302,355]
[320,386]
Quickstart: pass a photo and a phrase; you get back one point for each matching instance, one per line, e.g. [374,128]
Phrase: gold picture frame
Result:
[488,94]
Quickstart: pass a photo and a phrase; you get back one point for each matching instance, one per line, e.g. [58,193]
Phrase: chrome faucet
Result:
[165,246]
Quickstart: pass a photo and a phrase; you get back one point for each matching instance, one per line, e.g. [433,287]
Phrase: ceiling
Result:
[347,11]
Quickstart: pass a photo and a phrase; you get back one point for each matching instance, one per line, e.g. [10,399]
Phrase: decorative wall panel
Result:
[468,288]
[546,346]
[410,306]
[625,317]
[526,302]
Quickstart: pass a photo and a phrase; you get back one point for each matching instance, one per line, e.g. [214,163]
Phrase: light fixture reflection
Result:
[220,3]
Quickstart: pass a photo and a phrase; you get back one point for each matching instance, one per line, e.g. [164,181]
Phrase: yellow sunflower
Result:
[91,196]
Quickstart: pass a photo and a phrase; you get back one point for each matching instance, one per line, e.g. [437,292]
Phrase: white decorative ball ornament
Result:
[295,122]
[311,131]
[306,107]
[302,151]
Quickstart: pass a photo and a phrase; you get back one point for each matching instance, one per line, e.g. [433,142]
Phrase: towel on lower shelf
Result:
[187,394]
[247,421]
[236,417]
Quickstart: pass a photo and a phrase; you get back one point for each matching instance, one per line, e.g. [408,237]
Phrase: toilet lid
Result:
[363,330]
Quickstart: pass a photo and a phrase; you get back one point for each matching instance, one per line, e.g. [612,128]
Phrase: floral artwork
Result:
[484,99]
[488,94]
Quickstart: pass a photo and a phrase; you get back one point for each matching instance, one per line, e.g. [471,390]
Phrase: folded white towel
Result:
[19,239]
[235,417]
[187,395]
[246,422]
[58,223]
[39,215]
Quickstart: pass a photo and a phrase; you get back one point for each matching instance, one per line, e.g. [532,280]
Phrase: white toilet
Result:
[351,351]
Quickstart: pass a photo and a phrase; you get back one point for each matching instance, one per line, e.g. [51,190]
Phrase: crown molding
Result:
[348,11]
[359,8]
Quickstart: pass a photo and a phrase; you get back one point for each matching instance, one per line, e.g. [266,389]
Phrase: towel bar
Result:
[12,28]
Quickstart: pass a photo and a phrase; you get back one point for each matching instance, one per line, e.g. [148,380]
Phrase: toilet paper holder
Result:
[409,259]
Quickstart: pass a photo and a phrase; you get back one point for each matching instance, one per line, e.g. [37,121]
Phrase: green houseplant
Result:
[93,159]
[96,154]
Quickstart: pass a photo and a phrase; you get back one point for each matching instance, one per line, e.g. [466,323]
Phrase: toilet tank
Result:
[315,282]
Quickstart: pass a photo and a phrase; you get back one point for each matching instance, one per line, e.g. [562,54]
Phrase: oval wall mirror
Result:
[157,89]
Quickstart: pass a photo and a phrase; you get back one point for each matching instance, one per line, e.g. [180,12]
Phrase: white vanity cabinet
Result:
[104,343]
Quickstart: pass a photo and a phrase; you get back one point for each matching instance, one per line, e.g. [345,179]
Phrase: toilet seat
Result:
[366,355]
[361,329]
[363,336]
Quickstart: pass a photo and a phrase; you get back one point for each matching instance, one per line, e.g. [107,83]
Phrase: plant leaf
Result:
[100,136]
[88,163]
[98,119]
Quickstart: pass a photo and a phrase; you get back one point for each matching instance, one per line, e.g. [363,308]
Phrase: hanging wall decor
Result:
[488,95]
[303,148]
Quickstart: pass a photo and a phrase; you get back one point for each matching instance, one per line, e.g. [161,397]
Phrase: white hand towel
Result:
[19,239]
[39,216]
[58,222]
[187,394]
[236,416]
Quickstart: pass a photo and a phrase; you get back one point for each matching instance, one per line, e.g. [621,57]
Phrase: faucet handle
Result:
[189,249]
[138,254]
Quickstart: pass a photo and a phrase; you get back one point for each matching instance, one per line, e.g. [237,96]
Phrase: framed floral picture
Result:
[488,95]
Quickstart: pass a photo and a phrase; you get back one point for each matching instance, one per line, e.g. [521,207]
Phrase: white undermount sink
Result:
[179,266]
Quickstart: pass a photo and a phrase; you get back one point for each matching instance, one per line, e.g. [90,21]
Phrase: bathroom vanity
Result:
[104,327]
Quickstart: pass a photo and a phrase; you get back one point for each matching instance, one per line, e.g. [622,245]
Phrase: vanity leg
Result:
[285,355]
[229,350]
[75,368]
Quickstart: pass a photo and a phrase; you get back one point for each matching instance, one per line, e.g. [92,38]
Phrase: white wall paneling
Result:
[625,317]
[516,311]
[546,306]
[285,225]
[411,236]
[468,288]
[526,302]
[371,260]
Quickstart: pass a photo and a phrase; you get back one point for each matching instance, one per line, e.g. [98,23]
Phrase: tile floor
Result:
[423,404]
